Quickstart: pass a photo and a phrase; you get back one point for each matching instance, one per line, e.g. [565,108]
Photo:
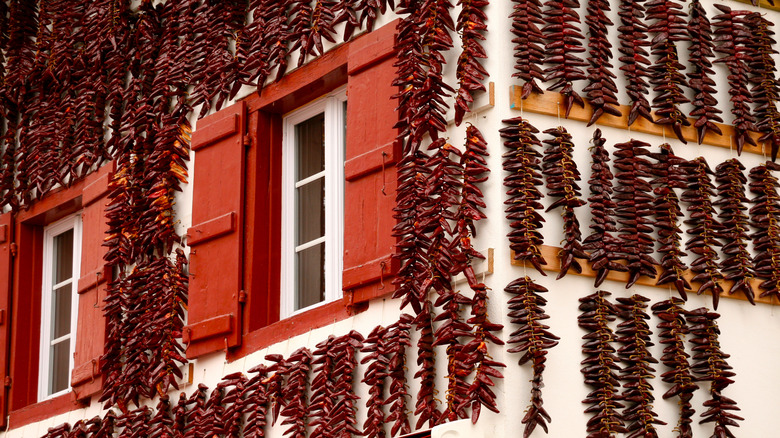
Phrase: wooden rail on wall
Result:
[550,254]
[549,104]
[763,4]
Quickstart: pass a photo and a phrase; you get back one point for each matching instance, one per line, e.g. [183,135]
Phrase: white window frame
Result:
[47,291]
[332,105]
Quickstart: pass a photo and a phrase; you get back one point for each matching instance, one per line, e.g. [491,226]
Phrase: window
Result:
[59,304]
[313,203]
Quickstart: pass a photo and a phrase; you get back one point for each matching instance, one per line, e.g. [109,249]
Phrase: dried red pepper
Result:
[600,366]
[672,330]
[635,335]
[255,405]
[602,245]
[398,335]
[737,265]
[522,162]
[562,176]
[374,378]
[534,338]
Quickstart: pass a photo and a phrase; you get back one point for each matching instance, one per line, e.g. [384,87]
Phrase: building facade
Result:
[368,243]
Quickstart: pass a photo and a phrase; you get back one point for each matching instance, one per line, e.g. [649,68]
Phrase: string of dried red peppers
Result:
[700,78]
[763,73]
[533,339]
[737,265]
[733,37]
[666,72]
[669,176]
[601,88]
[672,330]
[705,228]
[602,245]
[470,24]
[635,334]
[523,164]
[560,170]
[528,51]
[635,62]
[765,218]
[564,43]
[600,367]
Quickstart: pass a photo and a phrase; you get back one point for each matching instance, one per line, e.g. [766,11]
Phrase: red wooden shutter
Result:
[369,171]
[6,228]
[214,315]
[86,378]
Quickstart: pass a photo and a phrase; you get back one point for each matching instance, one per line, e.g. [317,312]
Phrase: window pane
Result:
[61,311]
[310,211]
[310,147]
[59,366]
[310,276]
[63,256]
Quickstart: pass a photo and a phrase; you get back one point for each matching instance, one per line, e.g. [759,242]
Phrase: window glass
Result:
[58,316]
[310,276]
[310,147]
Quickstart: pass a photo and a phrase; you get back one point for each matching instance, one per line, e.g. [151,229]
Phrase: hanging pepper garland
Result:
[763,74]
[765,218]
[669,175]
[635,334]
[733,37]
[522,162]
[737,265]
[601,88]
[470,24]
[528,51]
[533,339]
[705,229]
[700,78]
[672,330]
[635,62]
[564,44]
[602,244]
[600,366]
[562,176]
[666,73]
[710,365]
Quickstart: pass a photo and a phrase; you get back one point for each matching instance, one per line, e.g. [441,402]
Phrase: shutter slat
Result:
[216,239]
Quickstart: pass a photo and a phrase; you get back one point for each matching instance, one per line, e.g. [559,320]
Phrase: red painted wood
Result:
[41,411]
[381,269]
[301,86]
[262,263]
[216,263]
[370,172]
[287,328]
[26,315]
[91,325]
[218,325]
[212,229]
[6,224]
[372,161]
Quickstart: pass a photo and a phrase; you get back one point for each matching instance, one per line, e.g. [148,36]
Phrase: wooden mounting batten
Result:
[550,254]
[549,104]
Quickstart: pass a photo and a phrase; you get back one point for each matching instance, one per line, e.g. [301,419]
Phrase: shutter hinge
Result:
[14,249]
[247,140]
[7,381]
[241,296]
